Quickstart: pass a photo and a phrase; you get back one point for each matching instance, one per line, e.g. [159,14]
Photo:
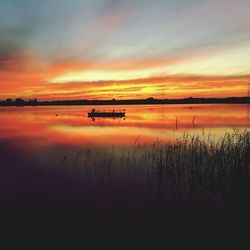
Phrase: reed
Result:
[193,169]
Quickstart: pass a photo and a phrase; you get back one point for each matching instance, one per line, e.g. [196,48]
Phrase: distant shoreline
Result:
[190,100]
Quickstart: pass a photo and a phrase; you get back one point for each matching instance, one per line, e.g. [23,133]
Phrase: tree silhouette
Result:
[19,102]
[9,101]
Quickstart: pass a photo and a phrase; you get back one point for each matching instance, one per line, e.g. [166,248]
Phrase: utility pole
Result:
[248,90]
[248,102]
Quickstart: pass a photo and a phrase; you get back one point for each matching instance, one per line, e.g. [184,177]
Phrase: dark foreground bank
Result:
[193,186]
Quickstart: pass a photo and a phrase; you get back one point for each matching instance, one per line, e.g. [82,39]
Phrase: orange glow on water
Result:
[43,126]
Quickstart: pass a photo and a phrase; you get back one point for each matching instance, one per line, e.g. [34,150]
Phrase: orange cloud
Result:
[175,86]
[25,75]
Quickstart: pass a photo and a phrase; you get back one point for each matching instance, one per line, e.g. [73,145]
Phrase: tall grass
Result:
[194,169]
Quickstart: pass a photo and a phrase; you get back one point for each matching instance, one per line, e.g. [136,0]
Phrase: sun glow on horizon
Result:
[97,76]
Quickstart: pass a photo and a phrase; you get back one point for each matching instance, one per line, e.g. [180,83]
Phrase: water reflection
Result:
[46,126]
[58,163]
[106,118]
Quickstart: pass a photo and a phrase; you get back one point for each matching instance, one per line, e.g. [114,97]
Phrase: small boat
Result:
[113,113]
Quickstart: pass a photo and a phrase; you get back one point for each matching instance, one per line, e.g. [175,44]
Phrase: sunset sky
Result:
[124,49]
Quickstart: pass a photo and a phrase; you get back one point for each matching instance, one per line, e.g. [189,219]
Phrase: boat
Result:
[112,113]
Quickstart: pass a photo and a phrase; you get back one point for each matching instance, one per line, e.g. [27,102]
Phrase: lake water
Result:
[49,133]
[69,125]
[45,173]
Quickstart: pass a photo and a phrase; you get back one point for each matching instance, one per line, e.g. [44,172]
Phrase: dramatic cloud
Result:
[101,49]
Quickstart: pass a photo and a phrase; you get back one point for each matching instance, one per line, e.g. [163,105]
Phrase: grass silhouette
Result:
[194,169]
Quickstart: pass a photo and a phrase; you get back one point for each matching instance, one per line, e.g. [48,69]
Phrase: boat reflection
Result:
[99,118]
[106,113]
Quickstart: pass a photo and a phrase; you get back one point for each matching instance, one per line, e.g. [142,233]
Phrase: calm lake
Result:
[50,133]
[41,127]
[59,165]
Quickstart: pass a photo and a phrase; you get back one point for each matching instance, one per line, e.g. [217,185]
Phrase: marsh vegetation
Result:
[191,172]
